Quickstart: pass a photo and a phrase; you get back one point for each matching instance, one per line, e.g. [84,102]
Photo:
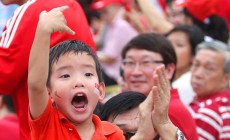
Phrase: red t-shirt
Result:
[16,43]
[181,117]
[52,125]
[212,115]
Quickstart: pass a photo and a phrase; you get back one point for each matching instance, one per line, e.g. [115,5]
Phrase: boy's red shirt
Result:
[52,125]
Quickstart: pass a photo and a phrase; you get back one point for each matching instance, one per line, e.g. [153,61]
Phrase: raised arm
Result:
[156,20]
[49,22]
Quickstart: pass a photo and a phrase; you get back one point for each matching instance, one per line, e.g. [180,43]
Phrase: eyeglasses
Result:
[144,65]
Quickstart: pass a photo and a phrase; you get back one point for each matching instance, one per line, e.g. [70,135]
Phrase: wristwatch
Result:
[180,135]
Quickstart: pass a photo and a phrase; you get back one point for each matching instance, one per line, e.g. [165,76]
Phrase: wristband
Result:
[180,135]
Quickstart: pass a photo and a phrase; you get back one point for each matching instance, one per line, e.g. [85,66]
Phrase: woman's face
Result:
[182,46]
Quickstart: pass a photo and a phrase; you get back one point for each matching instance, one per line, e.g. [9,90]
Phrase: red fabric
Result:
[181,117]
[163,5]
[52,125]
[200,9]
[9,128]
[212,116]
[14,54]
[100,4]
[224,10]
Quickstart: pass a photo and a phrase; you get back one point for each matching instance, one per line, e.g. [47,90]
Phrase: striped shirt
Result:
[212,116]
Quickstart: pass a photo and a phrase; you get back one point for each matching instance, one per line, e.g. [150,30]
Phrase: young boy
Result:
[64,91]
[74,84]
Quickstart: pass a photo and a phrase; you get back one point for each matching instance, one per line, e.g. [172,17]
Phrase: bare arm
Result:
[157,21]
[49,22]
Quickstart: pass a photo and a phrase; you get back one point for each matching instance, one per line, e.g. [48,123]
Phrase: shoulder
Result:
[107,129]
[111,131]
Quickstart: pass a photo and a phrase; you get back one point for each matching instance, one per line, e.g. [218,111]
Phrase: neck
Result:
[89,126]
[180,72]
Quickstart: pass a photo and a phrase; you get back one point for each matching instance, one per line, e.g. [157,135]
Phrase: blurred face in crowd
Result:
[127,121]
[138,67]
[175,14]
[108,13]
[208,75]
[183,50]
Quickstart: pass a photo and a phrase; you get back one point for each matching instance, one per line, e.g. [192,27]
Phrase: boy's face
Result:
[138,70]
[74,86]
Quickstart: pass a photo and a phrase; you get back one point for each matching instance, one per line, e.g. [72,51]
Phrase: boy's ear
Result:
[101,89]
[51,97]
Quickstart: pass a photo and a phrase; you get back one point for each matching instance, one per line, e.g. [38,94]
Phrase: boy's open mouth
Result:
[79,101]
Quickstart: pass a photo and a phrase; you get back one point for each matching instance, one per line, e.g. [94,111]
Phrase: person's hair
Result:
[213,26]
[120,103]
[155,43]
[195,35]
[72,46]
[98,108]
[219,47]
[7,100]
[169,2]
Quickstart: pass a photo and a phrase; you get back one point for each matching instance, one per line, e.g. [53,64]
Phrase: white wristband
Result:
[180,135]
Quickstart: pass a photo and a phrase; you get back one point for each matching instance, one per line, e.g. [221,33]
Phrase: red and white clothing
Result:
[181,117]
[212,115]
[16,43]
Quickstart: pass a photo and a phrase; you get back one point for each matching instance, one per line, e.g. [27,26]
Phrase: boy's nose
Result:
[78,83]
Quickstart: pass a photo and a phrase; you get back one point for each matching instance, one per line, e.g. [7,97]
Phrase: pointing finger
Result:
[62,8]
[68,30]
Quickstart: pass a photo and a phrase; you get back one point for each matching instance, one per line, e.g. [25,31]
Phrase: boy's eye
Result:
[65,76]
[88,74]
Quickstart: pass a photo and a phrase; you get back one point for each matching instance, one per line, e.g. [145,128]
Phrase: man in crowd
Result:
[210,81]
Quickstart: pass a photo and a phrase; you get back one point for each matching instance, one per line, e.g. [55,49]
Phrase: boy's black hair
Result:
[155,43]
[195,35]
[74,46]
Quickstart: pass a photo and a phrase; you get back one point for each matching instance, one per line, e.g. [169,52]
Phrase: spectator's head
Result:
[184,39]
[211,68]
[6,106]
[75,78]
[141,56]
[122,110]
[203,13]
[108,8]
[175,13]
